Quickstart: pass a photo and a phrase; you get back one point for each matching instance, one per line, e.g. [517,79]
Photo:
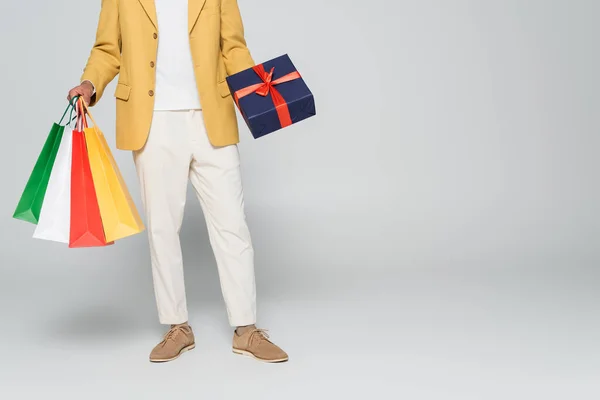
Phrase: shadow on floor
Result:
[93,323]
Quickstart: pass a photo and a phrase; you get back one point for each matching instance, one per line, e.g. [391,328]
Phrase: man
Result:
[175,112]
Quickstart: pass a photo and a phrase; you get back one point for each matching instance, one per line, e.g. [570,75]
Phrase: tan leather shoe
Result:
[177,341]
[255,343]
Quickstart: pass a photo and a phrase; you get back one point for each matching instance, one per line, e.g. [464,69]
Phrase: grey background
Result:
[432,234]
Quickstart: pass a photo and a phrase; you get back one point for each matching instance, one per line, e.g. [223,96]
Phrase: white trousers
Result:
[178,149]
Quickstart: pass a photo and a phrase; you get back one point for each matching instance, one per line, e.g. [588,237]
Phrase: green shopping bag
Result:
[32,198]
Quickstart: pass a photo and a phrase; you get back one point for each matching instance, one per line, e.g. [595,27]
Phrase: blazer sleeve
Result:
[104,61]
[233,44]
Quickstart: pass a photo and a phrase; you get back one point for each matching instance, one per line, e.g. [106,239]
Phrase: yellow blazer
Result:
[126,44]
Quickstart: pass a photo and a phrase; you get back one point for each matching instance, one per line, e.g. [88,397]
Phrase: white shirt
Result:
[175,80]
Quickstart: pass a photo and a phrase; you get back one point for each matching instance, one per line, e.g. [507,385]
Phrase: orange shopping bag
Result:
[120,217]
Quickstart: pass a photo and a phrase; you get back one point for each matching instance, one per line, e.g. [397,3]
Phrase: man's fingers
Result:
[78,91]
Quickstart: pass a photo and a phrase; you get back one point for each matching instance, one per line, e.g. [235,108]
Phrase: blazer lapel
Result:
[194,8]
[150,9]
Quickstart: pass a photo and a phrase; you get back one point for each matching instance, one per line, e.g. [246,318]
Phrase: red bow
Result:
[268,86]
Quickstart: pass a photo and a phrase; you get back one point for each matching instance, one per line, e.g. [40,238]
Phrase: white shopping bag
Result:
[55,215]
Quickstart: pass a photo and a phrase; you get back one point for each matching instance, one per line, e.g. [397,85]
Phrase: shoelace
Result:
[260,335]
[174,332]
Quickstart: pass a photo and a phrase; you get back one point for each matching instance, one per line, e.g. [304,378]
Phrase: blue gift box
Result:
[259,106]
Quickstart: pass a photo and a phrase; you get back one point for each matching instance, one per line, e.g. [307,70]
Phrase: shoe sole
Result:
[248,354]
[162,360]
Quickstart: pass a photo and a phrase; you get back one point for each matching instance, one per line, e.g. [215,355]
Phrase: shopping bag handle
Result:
[73,104]
[70,106]
[85,110]
[81,120]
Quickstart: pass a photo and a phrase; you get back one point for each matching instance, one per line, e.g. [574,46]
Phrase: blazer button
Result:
[151,93]
[151,64]
[154,35]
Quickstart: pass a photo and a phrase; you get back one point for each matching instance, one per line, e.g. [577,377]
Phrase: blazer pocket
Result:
[122,91]
[210,11]
[224,89]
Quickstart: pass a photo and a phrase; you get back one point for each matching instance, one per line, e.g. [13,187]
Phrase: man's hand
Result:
[85,90]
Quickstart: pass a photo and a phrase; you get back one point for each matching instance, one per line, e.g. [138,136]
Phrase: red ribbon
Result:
[268,86]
